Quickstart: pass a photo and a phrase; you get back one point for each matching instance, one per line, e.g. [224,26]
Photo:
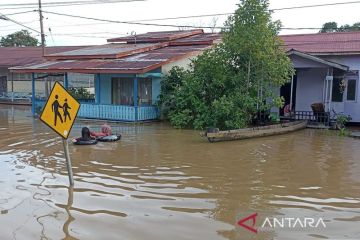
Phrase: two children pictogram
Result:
[56,110]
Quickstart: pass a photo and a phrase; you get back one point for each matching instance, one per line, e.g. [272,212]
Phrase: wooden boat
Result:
[355,134]
[214,135]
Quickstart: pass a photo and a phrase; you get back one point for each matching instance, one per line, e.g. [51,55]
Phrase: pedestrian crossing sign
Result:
[60,111]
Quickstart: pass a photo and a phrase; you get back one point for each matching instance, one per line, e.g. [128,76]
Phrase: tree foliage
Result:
[81,93]
[19,39]
[228,84]
[333,27]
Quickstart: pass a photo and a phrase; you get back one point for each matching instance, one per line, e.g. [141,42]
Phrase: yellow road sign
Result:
[60,111]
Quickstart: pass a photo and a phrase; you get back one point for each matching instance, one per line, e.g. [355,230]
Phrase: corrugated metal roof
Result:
[152,37]
[18,56]
[106,51]
[203,39]
[343,43]
[138,63]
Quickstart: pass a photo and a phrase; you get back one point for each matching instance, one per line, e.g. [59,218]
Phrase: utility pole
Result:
[42,30]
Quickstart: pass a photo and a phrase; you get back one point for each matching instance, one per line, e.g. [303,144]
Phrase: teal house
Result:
[127,72]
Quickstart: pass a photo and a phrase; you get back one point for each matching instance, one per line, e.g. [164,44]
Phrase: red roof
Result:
[128,57]
[343,43]
[137,63]
[18,56]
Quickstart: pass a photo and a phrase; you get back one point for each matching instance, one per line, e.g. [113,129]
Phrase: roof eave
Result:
[316,59]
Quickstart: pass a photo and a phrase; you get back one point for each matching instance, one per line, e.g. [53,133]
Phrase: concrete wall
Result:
[180,63]
[310,84]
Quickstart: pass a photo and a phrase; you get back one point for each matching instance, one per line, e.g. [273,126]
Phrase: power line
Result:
[314,6]
[2,16]
[141,22]
[226,14]
[129,22]
[12,24]
[63,4]
[17,13]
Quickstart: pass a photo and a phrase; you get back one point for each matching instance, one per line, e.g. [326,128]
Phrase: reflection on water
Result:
[162,183]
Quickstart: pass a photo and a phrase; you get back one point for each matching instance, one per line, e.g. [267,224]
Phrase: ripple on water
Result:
[162,183]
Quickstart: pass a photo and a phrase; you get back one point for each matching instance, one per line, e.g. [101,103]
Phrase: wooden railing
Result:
[323,118]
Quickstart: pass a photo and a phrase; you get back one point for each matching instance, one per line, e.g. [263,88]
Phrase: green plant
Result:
[229,84]
[81,93]
[341,120]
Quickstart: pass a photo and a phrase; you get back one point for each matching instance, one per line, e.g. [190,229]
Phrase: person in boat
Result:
[85,134]
[105,131]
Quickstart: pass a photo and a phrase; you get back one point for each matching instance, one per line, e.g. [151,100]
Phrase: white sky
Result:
[94,32]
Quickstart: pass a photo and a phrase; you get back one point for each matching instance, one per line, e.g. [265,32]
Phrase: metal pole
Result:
[68,162]
[42,30]
[291,92]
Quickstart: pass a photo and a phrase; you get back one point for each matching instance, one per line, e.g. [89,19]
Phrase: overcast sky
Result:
[72,31]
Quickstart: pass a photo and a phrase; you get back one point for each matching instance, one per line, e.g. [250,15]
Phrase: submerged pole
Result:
[136,105]
[33,94]
[291,92]
[68,162]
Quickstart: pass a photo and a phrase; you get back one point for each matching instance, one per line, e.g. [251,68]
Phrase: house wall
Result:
[350,107]
[309,88]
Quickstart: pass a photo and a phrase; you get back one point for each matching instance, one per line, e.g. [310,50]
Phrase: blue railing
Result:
[110,112]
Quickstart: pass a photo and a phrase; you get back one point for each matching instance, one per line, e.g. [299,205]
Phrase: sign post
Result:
[68,161]
[59,114]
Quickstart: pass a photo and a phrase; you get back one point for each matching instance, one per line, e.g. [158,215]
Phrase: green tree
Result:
[227,85]
[19,39]
[333,27]
[329,27]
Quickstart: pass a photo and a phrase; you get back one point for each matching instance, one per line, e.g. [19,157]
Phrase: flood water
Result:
[163,183]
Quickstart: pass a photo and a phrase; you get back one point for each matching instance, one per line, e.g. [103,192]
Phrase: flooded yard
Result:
[163,183]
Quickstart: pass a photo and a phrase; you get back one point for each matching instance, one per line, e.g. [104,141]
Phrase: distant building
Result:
[127,71]
[18,85]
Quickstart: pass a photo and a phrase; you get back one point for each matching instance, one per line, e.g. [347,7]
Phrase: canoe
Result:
[355,134]
[214,135]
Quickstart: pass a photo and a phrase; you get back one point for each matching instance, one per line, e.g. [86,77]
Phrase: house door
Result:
[285,92]
[3,85]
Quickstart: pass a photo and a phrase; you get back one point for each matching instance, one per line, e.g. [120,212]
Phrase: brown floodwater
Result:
[163,183]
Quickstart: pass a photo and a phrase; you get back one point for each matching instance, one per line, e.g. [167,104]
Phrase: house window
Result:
[351,90]
[337,91]
[145,92]
[122,91]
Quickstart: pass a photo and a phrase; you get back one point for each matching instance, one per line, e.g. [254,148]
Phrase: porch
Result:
[316,81]
[117,97]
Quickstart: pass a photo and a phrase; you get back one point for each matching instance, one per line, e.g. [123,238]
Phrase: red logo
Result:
[251,228]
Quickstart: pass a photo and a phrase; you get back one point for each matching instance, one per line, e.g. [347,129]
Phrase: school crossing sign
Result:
[60,111]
